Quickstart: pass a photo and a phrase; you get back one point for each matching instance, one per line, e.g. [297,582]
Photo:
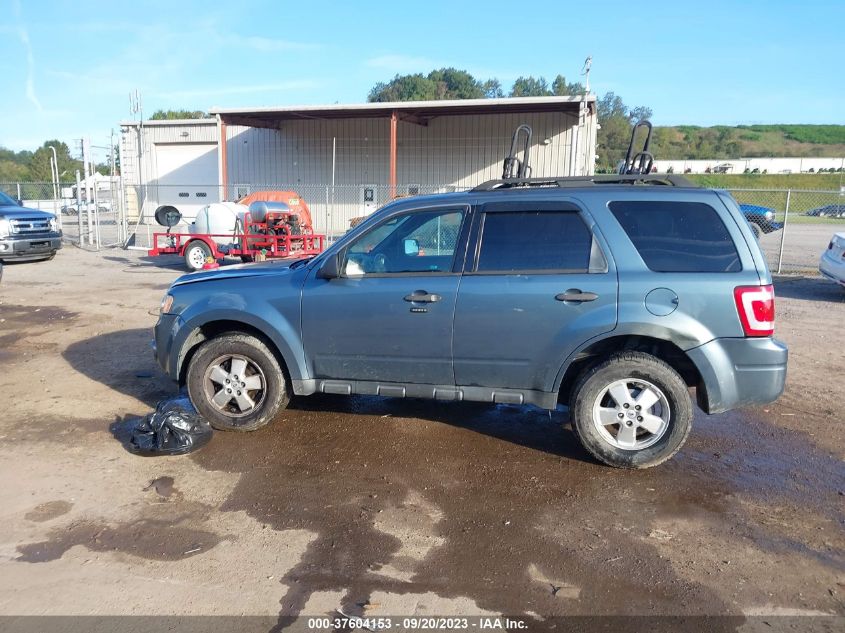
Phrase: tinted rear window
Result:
[534,240]
[682,237]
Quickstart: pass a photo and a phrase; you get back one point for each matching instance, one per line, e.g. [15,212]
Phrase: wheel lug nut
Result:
[628,423]
[639,418]
[638,407]
[626,405]
[227,381]
[239,393]
[243,384]
[228,391]
[621,415]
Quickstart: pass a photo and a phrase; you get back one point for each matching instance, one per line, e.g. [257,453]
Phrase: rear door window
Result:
[678,237]
[534,241]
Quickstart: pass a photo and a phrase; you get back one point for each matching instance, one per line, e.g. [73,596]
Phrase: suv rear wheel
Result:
[236,383]
[632,411]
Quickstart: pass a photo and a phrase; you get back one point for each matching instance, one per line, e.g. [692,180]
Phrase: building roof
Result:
[414,111]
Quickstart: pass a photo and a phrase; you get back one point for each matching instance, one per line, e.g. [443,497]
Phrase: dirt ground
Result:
[392,507]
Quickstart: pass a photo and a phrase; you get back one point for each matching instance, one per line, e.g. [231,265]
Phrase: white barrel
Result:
[219,218]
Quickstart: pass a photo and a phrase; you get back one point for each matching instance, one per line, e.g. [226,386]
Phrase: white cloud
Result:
[283,86]
[23,34]
[402,63]
[268,45]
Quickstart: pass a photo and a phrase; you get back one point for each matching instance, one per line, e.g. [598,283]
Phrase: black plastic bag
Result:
[174,428]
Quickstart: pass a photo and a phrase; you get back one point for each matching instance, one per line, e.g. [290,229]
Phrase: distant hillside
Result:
[748,141]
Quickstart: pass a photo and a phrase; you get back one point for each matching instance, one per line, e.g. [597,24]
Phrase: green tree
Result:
[39,164]
[493,89]
[530,87]
[414,87]
[171,115]
[445,83]
[456,84]
[561,88]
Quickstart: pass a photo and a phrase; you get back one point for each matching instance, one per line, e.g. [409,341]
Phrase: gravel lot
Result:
[390,507]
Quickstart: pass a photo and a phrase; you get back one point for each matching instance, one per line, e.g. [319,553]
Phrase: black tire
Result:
[274,396]
[756,230]
[247,259]
[192,255]
[633,366]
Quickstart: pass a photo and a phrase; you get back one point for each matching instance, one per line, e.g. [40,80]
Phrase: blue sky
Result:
[68,67]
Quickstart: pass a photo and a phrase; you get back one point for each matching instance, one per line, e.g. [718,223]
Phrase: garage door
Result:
[187,176]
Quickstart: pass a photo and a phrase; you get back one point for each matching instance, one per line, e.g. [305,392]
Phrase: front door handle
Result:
[573,294]
[421,296]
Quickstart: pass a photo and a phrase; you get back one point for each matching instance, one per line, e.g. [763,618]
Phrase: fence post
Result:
[783,230]
[19,191]
[81,243]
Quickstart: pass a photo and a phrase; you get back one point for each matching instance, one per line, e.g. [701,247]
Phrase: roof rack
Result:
[671,180]
[634,170]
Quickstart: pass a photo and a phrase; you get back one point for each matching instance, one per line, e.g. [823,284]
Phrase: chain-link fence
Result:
[794,226]
[91,217]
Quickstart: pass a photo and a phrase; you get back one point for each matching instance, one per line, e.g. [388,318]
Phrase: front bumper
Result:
[736,372]
[164,334]
[771,227]
[29,247]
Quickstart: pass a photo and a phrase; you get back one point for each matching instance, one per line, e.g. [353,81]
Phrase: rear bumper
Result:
[31,247]
[832,269]
[739,371]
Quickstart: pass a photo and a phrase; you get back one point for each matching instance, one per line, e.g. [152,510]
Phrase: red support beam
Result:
[224,161]
[393,122]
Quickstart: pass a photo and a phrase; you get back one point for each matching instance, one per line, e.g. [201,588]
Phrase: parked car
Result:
[829,211]
[723,168]
[832,262]
[761,219]
[609,298]
[26,234]
[73,208]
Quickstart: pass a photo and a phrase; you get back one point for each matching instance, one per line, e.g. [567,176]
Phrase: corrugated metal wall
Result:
[460,151]
[451,152]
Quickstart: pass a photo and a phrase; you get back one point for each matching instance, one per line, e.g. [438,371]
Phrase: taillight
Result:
[756,308]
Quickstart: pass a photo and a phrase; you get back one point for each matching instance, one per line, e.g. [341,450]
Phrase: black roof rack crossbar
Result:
[671,180]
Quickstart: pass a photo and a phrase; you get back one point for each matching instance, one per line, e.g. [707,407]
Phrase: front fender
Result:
[279,327]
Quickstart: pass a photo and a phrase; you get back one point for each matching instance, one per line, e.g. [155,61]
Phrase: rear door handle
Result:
[576,295]
[421,296]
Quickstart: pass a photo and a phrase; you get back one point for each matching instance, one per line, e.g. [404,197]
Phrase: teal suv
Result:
[623,298]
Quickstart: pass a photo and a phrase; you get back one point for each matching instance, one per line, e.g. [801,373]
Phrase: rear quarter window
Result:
[678,237]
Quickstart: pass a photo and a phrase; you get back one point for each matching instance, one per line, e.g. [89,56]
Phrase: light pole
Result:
[54,176]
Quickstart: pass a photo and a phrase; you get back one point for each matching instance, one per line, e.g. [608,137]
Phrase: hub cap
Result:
[631,414]
[197,256]
[234,385]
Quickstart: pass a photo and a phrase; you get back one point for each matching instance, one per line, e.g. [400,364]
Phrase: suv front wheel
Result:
[632,411]
[236,383]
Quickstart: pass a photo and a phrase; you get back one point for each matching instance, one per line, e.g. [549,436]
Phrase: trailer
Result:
[275,225]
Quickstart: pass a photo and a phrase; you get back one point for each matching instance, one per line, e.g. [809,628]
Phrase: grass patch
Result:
[818,182]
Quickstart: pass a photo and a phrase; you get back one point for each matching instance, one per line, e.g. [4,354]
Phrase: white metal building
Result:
[347,160]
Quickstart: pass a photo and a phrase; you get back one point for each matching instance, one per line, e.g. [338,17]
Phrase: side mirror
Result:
[412,247]
[330,268]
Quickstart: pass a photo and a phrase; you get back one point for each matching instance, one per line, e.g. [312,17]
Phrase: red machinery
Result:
[277,225]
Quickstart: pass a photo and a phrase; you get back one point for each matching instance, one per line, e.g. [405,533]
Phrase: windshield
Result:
[6,201]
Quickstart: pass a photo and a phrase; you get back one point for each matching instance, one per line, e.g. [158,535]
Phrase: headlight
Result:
[166,304]
[4,227]
[770,215]
[54,225]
